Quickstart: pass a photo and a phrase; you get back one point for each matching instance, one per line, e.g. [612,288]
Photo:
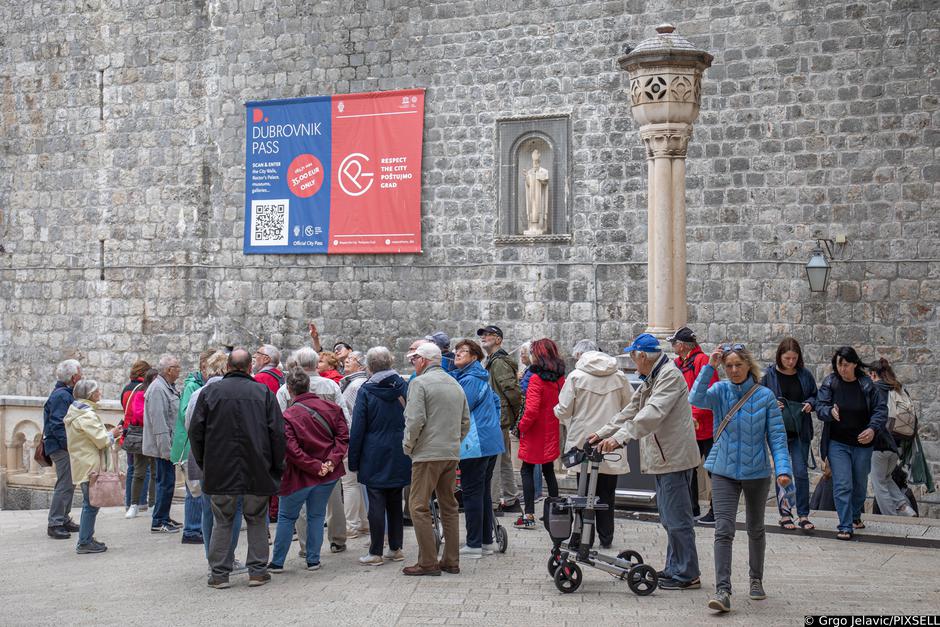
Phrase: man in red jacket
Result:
[690,361]
[264,365]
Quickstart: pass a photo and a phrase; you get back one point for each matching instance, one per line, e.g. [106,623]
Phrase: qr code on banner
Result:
[269,221]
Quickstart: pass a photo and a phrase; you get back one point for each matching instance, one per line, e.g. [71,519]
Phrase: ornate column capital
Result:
[666,140]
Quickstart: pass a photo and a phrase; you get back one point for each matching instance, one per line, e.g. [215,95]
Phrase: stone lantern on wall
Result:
[665,92]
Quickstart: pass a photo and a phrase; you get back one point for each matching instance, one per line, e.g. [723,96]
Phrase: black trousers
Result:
[385,502]
[528,483]
[606,492]
[704,448]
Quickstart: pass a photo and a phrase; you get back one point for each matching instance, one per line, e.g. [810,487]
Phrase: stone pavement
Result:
[147,580]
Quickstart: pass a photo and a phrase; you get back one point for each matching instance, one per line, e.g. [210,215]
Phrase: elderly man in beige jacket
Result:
[437,418]
[594,392]
[660,417]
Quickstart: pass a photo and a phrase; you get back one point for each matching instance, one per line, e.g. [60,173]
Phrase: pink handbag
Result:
[106,487]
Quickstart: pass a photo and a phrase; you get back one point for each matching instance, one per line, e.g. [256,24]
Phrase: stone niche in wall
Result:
[534,180]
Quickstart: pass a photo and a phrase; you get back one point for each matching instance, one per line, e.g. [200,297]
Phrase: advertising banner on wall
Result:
[334,174]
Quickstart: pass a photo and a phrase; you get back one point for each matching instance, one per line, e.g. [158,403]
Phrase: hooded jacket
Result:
[591,395]
[437,417]
[485,437]
[237,437]
[180,449]
[741,451]
[378,426]
[161,407]
[538,428]
[310,444]
[88,439]
[660,417]
[53,413]
[195,472]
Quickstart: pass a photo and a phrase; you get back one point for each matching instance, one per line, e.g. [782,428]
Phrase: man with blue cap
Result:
[660,417]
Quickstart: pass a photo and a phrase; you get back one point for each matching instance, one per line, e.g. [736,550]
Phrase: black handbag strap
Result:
[734,410]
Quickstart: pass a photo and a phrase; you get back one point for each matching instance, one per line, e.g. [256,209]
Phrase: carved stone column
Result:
[665,91]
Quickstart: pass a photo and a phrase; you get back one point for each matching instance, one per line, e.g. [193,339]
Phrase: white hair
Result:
[582,347]
[358,356]
[305,358]
[166,362]
[648,355]
[66,370]
[378,358]
[273,353]
[85,389]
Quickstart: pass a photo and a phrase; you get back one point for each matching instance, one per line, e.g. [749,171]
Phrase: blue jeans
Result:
[130,482]
[288,508]
[799,456]
[850,467]
[206,510]
[166,481]
[475,477]
[86,526]
[675,513]
[192,516]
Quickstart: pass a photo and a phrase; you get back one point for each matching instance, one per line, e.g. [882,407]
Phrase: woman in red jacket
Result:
[538,428]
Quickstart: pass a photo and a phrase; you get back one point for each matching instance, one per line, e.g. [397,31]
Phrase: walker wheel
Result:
[631,557]
[502,538]
[554,561]
[642,579]
[568,577]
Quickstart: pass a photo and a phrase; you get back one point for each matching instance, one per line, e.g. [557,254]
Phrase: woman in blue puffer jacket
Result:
[738,460]
[479,449]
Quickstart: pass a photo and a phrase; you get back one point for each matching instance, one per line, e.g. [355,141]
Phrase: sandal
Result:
[844,535]
[806,525]
[787,523]
[858,524]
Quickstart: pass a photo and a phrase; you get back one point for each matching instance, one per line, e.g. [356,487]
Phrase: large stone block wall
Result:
[122,121]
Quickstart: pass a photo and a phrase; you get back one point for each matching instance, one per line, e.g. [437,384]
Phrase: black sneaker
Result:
[720,601]
[71,526]
[219,583]
[274,568]
[676,584]
[58,533]
[165,528]
[756,590]
[174,523]
[192,540]
[707,519]
[91,547]
[337,548]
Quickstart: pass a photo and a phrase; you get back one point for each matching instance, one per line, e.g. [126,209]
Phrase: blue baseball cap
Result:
[644,343]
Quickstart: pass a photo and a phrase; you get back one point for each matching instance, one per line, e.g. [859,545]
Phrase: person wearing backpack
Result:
[902,424]
[854,410]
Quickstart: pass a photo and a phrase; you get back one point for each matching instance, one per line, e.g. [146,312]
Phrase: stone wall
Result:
[122,121]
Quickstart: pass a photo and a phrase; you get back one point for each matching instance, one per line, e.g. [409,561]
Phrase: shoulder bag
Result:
[734,410]
[106,487]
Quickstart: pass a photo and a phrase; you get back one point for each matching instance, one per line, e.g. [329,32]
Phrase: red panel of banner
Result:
[375,205]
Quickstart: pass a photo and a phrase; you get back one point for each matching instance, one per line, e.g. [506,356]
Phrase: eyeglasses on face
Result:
[462,351]
[727,348]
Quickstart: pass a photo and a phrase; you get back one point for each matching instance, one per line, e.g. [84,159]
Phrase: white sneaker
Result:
[132,511]
[489,549]
[395,556]
[471,553]
[906,510]
[371,560]
[238,568]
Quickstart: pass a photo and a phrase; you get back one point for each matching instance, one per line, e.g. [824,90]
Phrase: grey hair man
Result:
[264,365]
[55,443]
[306,359]
[161,408]
[504,380]
[437,418]
[660,417]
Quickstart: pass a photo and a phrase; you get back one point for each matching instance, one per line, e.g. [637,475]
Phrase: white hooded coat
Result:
[592,395]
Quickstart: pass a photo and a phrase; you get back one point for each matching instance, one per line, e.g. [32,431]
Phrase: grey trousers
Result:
[503,485]
[726,494]
[887,493]
[61,505]
[221,555]
[335,520]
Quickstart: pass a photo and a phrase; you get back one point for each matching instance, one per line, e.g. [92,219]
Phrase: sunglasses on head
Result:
[727,348]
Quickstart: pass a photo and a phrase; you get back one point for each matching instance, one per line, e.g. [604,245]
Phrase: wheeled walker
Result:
[570,523]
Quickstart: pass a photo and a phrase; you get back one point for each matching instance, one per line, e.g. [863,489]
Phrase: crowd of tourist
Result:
[340,439]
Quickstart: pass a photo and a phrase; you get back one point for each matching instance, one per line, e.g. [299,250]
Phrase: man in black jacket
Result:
[237,437]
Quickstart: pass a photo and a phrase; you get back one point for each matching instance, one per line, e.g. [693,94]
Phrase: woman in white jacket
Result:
[594,392]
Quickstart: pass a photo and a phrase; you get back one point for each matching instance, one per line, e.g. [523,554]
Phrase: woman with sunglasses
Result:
[747,420]
[854,410]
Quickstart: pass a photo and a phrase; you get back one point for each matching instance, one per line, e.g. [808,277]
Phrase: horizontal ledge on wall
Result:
[533,239]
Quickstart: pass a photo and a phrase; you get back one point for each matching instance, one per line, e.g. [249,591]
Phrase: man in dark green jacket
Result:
[504,381]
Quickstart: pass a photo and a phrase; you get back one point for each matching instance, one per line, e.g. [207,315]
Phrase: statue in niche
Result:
[536,196]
